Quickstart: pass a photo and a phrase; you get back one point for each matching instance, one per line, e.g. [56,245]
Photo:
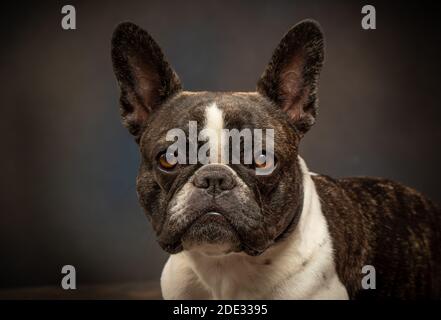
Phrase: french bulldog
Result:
[290,234]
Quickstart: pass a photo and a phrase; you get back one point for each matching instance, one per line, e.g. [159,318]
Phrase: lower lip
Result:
[214,213]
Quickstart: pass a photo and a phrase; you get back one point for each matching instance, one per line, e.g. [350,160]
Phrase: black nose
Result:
[215,178]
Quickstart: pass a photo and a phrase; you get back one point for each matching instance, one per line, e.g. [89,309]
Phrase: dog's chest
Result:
[230,278]
[282,278]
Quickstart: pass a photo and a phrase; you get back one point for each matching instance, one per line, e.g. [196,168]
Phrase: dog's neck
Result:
[294,259]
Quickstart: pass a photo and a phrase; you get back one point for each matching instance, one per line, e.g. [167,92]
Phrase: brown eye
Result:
[164,164]
[260,162]
[263,162]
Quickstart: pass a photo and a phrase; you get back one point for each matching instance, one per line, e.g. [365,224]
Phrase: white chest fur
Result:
[299,267]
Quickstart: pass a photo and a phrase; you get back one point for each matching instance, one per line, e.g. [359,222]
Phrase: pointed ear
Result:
[290,80]
[144,76]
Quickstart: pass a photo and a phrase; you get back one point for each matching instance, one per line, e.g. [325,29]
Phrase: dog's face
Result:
[219,207]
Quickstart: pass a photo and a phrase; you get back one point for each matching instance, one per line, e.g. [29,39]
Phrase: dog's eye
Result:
[263,162]
[165,164]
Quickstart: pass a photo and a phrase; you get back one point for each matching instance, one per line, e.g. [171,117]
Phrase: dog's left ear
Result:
[145,77]
[290,80]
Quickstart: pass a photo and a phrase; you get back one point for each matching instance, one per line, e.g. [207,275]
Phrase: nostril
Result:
[205,183]
[201,182]
[226,183]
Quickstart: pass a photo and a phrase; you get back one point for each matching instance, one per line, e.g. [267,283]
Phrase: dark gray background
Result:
[68,166]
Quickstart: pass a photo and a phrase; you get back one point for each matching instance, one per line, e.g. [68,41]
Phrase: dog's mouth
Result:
[206,218]
[213,227]
[195,228]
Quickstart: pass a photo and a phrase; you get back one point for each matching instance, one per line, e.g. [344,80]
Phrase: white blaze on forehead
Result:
[214,124]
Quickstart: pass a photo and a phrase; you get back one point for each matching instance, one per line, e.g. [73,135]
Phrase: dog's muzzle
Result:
[214,206]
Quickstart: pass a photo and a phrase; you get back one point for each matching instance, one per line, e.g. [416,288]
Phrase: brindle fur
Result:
[387,225]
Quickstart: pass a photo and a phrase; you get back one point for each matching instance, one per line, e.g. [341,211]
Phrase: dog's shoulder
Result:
[366,195]
[379,222]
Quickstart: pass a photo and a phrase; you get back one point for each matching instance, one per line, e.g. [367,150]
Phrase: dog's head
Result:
[219,206]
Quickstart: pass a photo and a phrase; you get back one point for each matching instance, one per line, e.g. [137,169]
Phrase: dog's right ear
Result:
[290,79]
[144,76]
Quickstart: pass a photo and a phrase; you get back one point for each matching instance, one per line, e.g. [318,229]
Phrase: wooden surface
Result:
[137,291]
